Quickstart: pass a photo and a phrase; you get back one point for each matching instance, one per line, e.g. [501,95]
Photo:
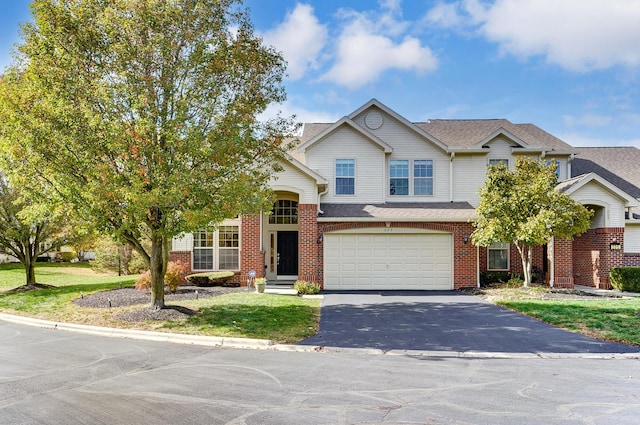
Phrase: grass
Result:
[282,319]
[610,319]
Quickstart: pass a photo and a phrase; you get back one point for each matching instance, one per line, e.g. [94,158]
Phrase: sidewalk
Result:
[605,292]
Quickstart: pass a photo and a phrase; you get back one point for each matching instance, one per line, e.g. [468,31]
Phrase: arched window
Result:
[284,211]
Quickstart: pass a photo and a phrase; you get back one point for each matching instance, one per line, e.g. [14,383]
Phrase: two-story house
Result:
[374,201]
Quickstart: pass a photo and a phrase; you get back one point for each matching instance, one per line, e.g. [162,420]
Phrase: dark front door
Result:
[287,253]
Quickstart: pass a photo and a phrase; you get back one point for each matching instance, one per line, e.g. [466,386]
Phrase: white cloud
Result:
[367,47]
[579,35]
[578,140]
[302,115]
[588,120]
[300,38]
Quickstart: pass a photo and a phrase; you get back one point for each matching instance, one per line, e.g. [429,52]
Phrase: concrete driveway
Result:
[441,321]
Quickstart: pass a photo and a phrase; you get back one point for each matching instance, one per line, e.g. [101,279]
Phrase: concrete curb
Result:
[265,344]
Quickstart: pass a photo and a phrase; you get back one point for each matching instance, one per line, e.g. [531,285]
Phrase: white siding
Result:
[296,181]
[632,238]
[184,243]
[500,148]
[469,173]
[345,143]
[593,193]
[407,144]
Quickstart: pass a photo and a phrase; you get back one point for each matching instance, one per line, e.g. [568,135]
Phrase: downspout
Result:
[478,265]
[451,156]
[321,194]
[552,261]
[573,155]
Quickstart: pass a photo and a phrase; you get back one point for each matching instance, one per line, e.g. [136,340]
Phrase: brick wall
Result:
[593,258]
[251,257]
[464,255]
[563,263]
[183,257]
[308,247]
[632,260]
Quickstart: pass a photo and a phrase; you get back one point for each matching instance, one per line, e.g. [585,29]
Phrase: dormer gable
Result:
[341,123]
[372,115]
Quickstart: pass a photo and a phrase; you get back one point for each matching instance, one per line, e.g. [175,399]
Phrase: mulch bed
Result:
[131,296]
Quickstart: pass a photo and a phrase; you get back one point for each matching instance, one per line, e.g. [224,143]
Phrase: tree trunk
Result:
[526,254]
[157,267]
[30,270]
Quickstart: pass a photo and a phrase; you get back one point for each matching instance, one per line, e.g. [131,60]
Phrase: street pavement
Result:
[446,321]
[50,376]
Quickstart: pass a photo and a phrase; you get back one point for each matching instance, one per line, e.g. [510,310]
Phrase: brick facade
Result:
[593,256]
[309,247]
[562,263]
[251,255]
[632,260]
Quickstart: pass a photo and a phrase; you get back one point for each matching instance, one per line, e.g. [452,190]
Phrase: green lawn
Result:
[283,319]
[610,319]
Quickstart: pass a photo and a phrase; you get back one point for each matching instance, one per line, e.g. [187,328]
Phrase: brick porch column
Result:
[562,263]
[308,246]
[251,257]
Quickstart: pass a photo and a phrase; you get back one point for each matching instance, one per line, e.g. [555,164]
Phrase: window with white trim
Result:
[345,176]
[499,162]
[285,211]
[423,177]
[498,256]
[413,178]
[219,250]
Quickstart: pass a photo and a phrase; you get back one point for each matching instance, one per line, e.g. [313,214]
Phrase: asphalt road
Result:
[57,377]
[442,321]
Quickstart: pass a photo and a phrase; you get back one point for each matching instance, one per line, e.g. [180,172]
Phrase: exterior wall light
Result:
[615,245]
[465,239]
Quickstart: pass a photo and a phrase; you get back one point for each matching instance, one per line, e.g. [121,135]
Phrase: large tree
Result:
[26,233]
[523,208]
[143,114]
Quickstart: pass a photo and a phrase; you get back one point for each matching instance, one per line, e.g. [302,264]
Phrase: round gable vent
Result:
[373,120]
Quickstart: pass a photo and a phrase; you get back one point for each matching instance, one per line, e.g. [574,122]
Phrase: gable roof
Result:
[306,170]
[474,133]
[344,121]
[618,165]
[411,126]
[398,211]
[573,184]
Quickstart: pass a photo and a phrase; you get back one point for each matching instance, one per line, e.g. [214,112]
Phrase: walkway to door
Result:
[441,321]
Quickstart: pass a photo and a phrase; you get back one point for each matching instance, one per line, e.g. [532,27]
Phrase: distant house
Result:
[374,201]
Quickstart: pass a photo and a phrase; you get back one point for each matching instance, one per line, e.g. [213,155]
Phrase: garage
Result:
[388,261]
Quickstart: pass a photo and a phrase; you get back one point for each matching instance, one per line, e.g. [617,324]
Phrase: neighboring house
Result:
[374,201]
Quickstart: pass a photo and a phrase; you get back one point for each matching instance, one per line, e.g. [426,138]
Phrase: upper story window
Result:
[219,250]
[557,163]
[345,176]
[423,177]
[284,211]
[418,182]
[499,162]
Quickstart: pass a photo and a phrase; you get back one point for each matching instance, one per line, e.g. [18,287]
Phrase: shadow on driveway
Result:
[441,321]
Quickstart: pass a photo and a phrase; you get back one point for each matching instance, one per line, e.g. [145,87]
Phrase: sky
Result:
[572,67]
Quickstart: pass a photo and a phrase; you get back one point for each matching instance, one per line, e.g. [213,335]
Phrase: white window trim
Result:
[412,178]
[503,246]
[216,247]
[499,161]
[335,177]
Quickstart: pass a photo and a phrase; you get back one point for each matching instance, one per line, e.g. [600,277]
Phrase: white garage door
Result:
[388,261]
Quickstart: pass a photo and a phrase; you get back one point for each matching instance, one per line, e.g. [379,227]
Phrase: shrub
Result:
[174,277]
[211,279]
[67,256]
[625,278]
[143,282]
[306,288]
